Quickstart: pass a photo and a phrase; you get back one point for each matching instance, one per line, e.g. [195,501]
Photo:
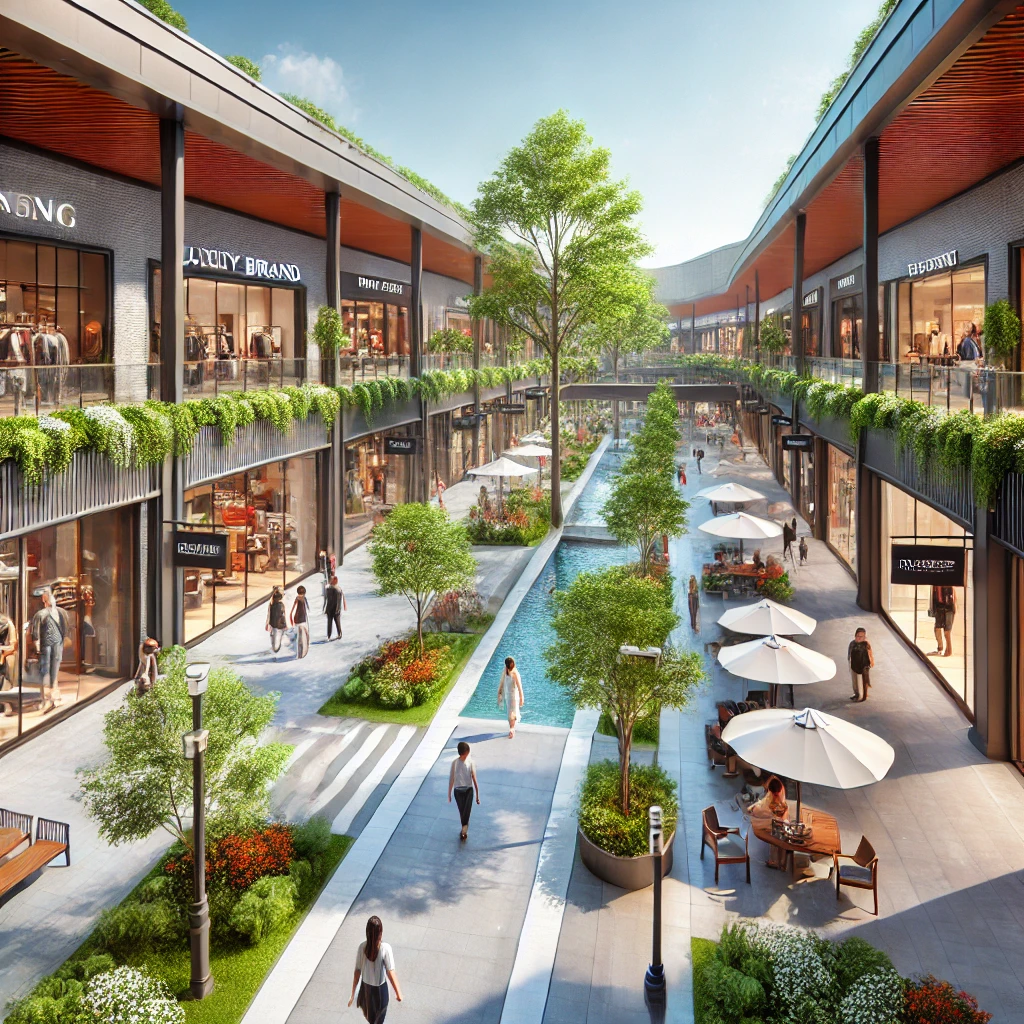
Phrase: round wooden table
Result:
[824,839]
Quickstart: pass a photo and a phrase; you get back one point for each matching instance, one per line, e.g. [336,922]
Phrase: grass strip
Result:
[702,952]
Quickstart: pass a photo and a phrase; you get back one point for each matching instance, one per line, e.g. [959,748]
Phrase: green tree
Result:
[165,12]
[329,335]
[654,445]
[598,614]
[773,337]
[417,551]
[146,783]
[1002,330]
[561,243]
[246,65]
[643,507]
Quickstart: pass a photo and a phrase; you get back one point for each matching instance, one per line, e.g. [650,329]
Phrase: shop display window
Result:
[811,330]
[935,312]
[807,495]
[58,291]
[87,566]
[270,517]
[912,609]
[376,331]
[374,483]
[842,511]
[847,326]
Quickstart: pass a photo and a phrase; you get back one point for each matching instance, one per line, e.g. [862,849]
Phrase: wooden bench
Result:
[15,828]
[52,839]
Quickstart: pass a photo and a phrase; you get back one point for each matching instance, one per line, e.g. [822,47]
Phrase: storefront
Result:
[380,472]
[936,615]
[811,323]
[270,516]
[846,293]
[936,305]
[89,567]
[375,319]
[842,506]
[450,438]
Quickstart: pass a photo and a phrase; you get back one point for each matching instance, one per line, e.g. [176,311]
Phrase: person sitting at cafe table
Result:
[772,805]
[720,559]
[758,561]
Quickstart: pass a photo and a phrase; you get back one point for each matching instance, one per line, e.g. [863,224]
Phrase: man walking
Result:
[334,602]
[462,780]
[862,660]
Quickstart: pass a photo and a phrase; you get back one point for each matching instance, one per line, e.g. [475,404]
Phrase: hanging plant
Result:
[451,341]
[326,402]
[153,433]
[1002,329]
[363,400]
[773,337]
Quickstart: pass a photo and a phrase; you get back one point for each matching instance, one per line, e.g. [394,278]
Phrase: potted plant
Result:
[1002,331]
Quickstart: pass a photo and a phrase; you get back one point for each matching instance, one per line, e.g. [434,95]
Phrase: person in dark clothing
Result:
[943,610]
[277,620]
[334,603]
[862,660]
[462,782]
[300,620]
[803,550]
[693,603]
[788,536]
[700,456]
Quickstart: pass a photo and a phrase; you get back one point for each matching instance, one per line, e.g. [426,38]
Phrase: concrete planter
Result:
[627,873]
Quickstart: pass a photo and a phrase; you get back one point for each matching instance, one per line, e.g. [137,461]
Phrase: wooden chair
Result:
[15,829]
[52,839]
[727,844]
[862,873]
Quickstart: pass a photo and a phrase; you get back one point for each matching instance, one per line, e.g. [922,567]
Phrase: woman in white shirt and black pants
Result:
[375,967]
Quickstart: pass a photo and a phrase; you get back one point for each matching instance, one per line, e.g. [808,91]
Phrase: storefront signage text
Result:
[376,289]
[243,266]
[811,298]
[929,565]
[510,408]
[945,259]
[26,207]
[536,394]
[195,550]
[400,445]
[797,442]
[846,282]
[782,421]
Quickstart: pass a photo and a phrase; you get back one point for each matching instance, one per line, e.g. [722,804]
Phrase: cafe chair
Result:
[727,844]
[862,873]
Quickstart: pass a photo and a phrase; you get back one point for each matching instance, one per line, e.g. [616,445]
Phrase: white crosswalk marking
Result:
[337,784]
[355,804]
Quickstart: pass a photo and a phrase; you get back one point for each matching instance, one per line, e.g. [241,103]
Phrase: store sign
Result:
[375,289]
[811,298]
[465,422]
[197,257]
[928,266]
[29,207]
[763,410]
[782,421]
[195,550]
[401,445]
[929,565]
[536,394]
[510,408]
[798,442]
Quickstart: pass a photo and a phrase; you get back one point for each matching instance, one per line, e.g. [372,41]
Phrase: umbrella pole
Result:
[798,801]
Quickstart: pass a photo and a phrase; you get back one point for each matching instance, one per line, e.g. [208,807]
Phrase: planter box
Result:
[627,873]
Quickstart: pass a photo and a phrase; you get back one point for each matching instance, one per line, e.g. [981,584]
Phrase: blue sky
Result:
[699,101]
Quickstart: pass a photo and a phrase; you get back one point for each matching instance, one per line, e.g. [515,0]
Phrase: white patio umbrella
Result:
[741,526]
[730,492]
[502,468]
[534,437]
[531,451]
[767,617]
[776,660]
[809,746]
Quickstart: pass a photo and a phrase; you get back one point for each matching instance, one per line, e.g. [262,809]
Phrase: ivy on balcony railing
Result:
[145,434]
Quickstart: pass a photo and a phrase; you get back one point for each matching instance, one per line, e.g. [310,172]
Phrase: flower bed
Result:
[525,521]
[760,974]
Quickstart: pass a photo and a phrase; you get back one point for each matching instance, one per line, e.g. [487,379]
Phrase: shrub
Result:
[875,998]
[1002,329]
[304,879]
[930,1001]
[601,819]
[398,676]
[245,859]
[312,838]
[128,996]
[737,995]
[855,958]
[138,927]
[777,589]
[390,688]
[266,906]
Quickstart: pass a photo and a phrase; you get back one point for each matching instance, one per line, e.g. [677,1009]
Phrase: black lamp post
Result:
[654,980]
[194,743]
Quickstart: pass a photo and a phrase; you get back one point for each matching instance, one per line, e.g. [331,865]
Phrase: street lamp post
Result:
[194,743]
[654,980]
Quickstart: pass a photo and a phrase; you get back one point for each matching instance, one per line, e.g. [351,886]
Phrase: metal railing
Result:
[447,360]
[836,371]
[38,390]
[210,377]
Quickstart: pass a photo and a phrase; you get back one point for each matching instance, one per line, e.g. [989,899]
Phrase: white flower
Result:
[52,423]
[117,439]
[875,998]
[128,996]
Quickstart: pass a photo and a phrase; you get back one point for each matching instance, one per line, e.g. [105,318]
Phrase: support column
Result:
[172,361]
[868,512]
[330,374]
[478,287]
[416,347]
[746,316]
[870,343]
[757,316]
[693,327]
[797,341]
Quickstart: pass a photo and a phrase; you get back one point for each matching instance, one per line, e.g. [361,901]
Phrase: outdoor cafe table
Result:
[824,839]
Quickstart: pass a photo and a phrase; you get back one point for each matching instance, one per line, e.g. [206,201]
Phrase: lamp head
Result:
[647,653]
[656,833]
[194,743]
[196,674]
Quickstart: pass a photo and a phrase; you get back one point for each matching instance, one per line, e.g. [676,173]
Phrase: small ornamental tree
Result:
[654,445]
[451,341]
[598,614]
[165,12]
[643,507]
[773,337]
[1002,330]
[329,335]
[417,551]
[146,783]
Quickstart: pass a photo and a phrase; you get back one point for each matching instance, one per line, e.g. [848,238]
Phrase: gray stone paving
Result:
[453,911]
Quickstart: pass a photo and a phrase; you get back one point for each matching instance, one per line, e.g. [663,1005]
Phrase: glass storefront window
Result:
[811,330]
[912,609]
[847,324]
[375,483]
[842,510]
[59,290]
[935,312]
[377,331]
[270,517]
[807,497]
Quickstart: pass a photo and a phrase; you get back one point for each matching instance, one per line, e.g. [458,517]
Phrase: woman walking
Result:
[693,601]
[375,967]
[334,602]
[510,693]
[462,780]
[300,620]
[276,621]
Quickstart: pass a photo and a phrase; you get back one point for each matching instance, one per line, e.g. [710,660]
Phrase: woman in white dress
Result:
[510,692]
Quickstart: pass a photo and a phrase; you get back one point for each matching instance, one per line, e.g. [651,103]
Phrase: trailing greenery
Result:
[1002,329]
[773,337]
[450,340]
[777,184]
[165,12]
[246,65]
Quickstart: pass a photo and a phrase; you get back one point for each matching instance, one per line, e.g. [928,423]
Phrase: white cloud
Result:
[320,79]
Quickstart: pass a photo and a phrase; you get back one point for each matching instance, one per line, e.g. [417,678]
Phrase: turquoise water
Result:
[587,509]
[529,634]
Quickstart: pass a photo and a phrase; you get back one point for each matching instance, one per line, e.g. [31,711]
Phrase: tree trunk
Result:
[556,444]
[615,402]
[625,743]
[419,624]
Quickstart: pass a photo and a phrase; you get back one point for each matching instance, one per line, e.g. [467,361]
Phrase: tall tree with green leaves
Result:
[562,243]
[654,445]
[418,552]
[643,507]
[598,614]
[146,783]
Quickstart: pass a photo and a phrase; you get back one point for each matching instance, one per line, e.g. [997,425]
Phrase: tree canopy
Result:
[165,12]
[562,246]
[246,65]
[417,551]
[146,783]
[643,507]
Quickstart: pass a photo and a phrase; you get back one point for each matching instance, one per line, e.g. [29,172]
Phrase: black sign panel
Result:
[846,284]
[536,394]
[195,550]
[511,408]
[782,421]
[929,565]
[763,410]
[375,289]
[401,445]
[798,442]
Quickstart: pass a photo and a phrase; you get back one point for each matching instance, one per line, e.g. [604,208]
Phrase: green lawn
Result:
[463,645]
[702,952]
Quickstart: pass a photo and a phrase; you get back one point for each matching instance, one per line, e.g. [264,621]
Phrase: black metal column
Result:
[693,327]
[330,374]
[478,287]
[797,321]
[172,359]
[757,316]
[870,342]
[416,348]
